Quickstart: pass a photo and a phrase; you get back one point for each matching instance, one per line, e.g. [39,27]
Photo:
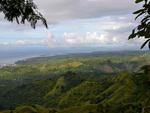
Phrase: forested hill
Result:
[72,93]
[93,83]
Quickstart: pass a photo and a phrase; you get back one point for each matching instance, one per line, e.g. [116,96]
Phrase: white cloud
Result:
[27,42]
[96,22]
[104,31]
[88,38]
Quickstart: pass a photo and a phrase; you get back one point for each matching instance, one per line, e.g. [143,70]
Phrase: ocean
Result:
[9,55]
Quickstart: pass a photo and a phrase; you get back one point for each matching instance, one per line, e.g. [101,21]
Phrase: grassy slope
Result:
[122,88]
[82,88]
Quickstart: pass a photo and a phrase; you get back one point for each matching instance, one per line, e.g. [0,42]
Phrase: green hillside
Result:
[91,86]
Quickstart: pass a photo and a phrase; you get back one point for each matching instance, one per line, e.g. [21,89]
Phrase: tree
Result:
[21,11]
[143,29]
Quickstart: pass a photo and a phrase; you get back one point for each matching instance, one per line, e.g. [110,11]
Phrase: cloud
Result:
[76,23]
[93,38]
[105,31]
[88,38]
[48,41]
[59,10]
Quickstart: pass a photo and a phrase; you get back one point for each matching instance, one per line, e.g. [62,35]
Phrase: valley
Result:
[98,82]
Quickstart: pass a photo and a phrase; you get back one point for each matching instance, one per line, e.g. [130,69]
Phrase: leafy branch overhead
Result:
[21,11]
[143,29]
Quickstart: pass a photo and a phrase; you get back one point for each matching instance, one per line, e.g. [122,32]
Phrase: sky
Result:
[76,23]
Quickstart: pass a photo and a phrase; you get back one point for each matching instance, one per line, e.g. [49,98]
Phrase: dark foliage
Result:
[143,29]
[21,11]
